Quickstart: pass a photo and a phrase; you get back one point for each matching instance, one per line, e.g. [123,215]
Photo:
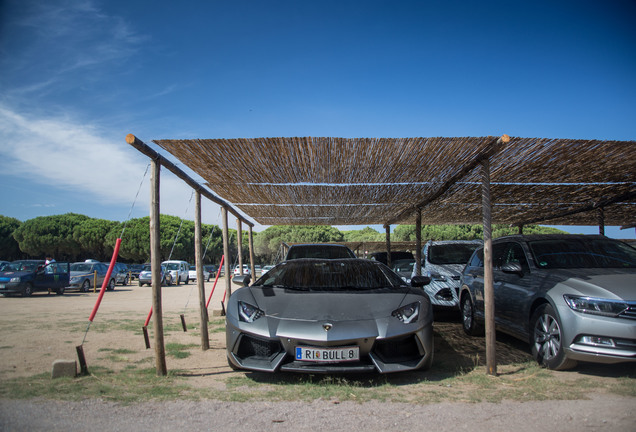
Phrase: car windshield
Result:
[331,275]
[319,251]
[21,266]
[451,253]
[404,265]
[81,267]
[583,253]
[172,266]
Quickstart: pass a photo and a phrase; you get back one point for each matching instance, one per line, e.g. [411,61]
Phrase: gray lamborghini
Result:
[330,316]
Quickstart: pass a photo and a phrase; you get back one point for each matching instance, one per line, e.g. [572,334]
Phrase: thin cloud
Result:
[75,156]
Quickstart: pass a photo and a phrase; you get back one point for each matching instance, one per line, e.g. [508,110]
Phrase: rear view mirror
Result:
[420,281]
[512,267]
[241,280]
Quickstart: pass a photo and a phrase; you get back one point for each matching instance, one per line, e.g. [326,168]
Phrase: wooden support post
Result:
[226,252]
[520,230]
[155,265]
[601,220]
[239,244]
[418,242]
[388,244]
[251,248]
[198,252]
[489,291]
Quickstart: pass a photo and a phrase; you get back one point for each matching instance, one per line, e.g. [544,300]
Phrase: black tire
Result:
[111,285]
[28,290]
[546,341]
[467,310]
[60,291]
[86,286]
[186,281]
[140,284]
[126,281]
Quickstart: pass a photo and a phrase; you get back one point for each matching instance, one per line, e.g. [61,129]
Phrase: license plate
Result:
[328,355]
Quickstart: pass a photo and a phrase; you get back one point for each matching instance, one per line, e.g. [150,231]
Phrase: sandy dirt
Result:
[40,329]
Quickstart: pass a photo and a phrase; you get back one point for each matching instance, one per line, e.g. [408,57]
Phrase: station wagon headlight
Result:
[249,313]
[15,279]
[596,306]
[407,314]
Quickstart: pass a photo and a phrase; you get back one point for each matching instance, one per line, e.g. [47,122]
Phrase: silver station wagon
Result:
[572,297]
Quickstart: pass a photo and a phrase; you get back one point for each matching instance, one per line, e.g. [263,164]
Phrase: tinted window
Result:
[319,251]
[514,254]
[477,259]
[330,275]
[582,253]
[82,267]
[450,253]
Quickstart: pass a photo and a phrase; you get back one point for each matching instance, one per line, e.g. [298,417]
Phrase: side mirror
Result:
[241,280]
[512,267]
[420,281]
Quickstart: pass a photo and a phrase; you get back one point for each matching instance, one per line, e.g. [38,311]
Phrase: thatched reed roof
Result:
[358,181]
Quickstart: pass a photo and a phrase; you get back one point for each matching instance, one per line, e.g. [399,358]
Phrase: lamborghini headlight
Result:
[407,314]
[248,313]
[596,306]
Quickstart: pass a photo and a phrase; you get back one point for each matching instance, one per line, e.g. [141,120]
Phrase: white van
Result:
[178,270]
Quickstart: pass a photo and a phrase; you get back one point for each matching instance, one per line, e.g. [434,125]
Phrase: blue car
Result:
[28,276]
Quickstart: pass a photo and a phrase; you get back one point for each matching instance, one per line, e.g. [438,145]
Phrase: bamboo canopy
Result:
[358,181]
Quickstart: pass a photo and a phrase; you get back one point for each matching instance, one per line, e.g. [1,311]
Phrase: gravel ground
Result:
[606,413]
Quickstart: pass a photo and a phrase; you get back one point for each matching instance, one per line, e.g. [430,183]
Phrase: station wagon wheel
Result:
[111,285]
[86,286]
[471,327]
[28,290]
[547,340]
[59,291]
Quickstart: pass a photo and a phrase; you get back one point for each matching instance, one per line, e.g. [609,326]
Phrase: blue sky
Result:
[77,76]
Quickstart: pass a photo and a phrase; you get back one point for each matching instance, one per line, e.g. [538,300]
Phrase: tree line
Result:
[75,237]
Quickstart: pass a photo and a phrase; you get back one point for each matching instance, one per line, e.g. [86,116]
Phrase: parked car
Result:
[179,270]
[212,269]
[324,251]
[572,297]
[266,269]
[192,273]
[237,270]
[120,273]
[145,276]
[443,261]
[404,268]
[25,277]
[326,316]
[83,276]
[395,256]
[134,270]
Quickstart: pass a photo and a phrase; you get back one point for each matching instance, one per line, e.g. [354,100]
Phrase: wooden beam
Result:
[145,149]
[388,244]
[226,253]
[155,268]
[418,243]
[198,252]
[489,290]
[625,197]
[239,244]
[251,249]
[493,148]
